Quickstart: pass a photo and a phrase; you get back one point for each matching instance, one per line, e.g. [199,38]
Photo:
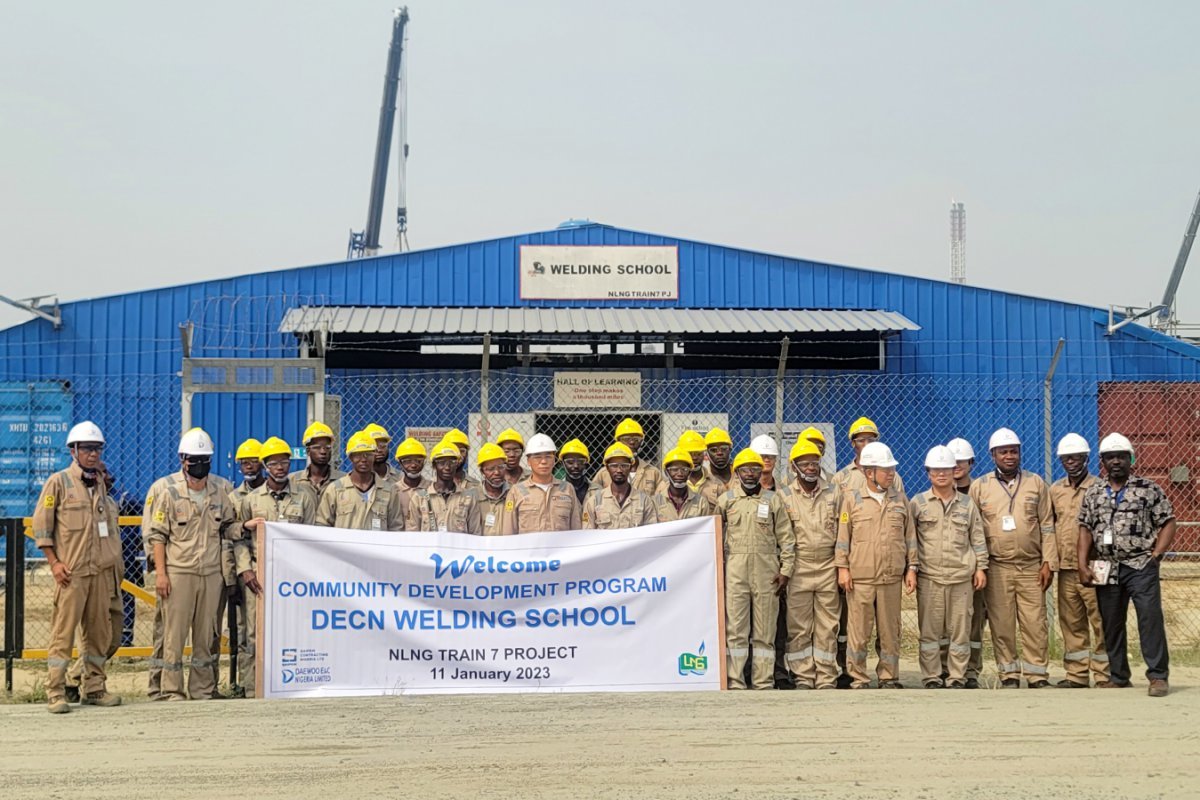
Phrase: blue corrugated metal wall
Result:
[964,331]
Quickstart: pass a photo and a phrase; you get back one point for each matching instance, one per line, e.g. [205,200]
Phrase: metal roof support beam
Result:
[484,388]
[1046,405]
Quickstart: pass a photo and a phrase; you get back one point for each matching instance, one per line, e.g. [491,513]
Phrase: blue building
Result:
[700,326]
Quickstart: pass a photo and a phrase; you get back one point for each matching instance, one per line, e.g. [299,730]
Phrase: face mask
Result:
[199,471]
[804,476]
[89,476]
[678,484]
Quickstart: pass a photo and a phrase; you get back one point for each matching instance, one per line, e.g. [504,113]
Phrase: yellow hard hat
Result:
[445,449]
[248,449]
[489,452]
[811,433]
[360,442]
[274,447]
[377,432]
[318,430]
[745,457]
[804,447]
[691,441]
[678,454]
[574,448]
[628,427]
[617,450]
[410,447]
[717,436]
[455,436]
[863,425]
[509,435]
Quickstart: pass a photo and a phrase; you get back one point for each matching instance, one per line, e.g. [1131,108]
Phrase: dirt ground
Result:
[871,744]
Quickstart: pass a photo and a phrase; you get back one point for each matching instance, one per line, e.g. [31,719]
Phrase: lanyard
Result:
[1117,499]
[1012,496]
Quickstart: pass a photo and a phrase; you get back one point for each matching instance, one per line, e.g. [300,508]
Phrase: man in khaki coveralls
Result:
[191,515]
[1078,613]
[964,457]
[876,550]
[320,473]
[643,475]
[951,567]
[512,444]
[447,505]
[812,593]
[492,493]
[362,500]
[619,504]
[277,500]
[759,553]
[410,455]
[678,500]
[75,525]
[1018,522]
[718,445]
[539,503]
[382,439]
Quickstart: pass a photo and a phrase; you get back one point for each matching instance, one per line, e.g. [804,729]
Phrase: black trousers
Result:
[1142,587]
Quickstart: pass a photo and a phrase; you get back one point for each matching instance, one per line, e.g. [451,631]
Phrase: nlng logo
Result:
[693,663]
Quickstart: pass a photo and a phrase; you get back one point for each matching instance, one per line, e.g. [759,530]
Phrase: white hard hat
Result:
[877,454]
[962,449]
[1115,443]
[1003,438]
[540,443]
[1073,444]
[85,432]
[940,457]
[765,446]
[195,443]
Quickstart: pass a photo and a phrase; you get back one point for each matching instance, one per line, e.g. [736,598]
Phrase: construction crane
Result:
[366,242]
[1163,318]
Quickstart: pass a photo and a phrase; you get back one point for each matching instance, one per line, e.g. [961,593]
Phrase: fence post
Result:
[484,389]
[14,596]
[783,354]
[1047,452]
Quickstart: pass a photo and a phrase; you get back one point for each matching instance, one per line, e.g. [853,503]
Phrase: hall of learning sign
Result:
[365,613]
[599,272]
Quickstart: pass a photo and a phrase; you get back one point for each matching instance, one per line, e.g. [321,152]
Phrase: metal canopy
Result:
[575,322]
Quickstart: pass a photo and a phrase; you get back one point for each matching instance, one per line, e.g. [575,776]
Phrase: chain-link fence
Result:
[140,416]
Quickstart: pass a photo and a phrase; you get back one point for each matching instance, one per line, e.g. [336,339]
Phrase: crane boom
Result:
[367,243]
[1185,249]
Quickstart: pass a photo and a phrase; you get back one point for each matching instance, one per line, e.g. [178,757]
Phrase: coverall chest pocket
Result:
[960,526]
[1030,508]
[560,512]
[182,514]
[457,520]
[292,512]
[72,512]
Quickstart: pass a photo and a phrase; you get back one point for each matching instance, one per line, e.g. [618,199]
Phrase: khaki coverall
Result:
[294,504]
[230,577]
[304,479]
[711,486]
[191,532]
[1014,595]
[978,619]
[68,518]
[344,506]
[406,491]
[950,548]
[456,512]
[696,505]
[643,477]
[877,542]
[531,509]
[601,511]
[759,545]
[1078,613]
[491,509]
[813,603]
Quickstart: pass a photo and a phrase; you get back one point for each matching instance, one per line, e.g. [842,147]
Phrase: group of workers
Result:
[814,569]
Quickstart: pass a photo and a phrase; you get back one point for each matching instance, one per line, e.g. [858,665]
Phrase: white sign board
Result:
[791,432]
[597,390]
[599,272]
[361,613]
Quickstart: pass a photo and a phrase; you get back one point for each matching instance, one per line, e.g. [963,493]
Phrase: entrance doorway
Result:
[596,429]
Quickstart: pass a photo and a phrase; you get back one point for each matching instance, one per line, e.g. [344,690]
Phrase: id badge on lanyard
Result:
[103,526]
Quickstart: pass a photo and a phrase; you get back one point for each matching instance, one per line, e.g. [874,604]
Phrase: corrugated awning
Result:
[682,322]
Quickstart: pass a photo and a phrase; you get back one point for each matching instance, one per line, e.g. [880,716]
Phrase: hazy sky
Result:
[149,143]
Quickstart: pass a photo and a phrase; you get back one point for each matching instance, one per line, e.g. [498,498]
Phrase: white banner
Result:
[360,613]
[597,390]
[599,272]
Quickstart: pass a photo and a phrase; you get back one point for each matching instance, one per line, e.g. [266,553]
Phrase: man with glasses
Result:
[382,439]
[320,472]
[643,476]
[719,446]
[276,500]
[75,526]
[361,500]
[190,513]
[492,492]
[513,445]
[539,503]
[619,504]
[574,457]
[410,455]
[678,500]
